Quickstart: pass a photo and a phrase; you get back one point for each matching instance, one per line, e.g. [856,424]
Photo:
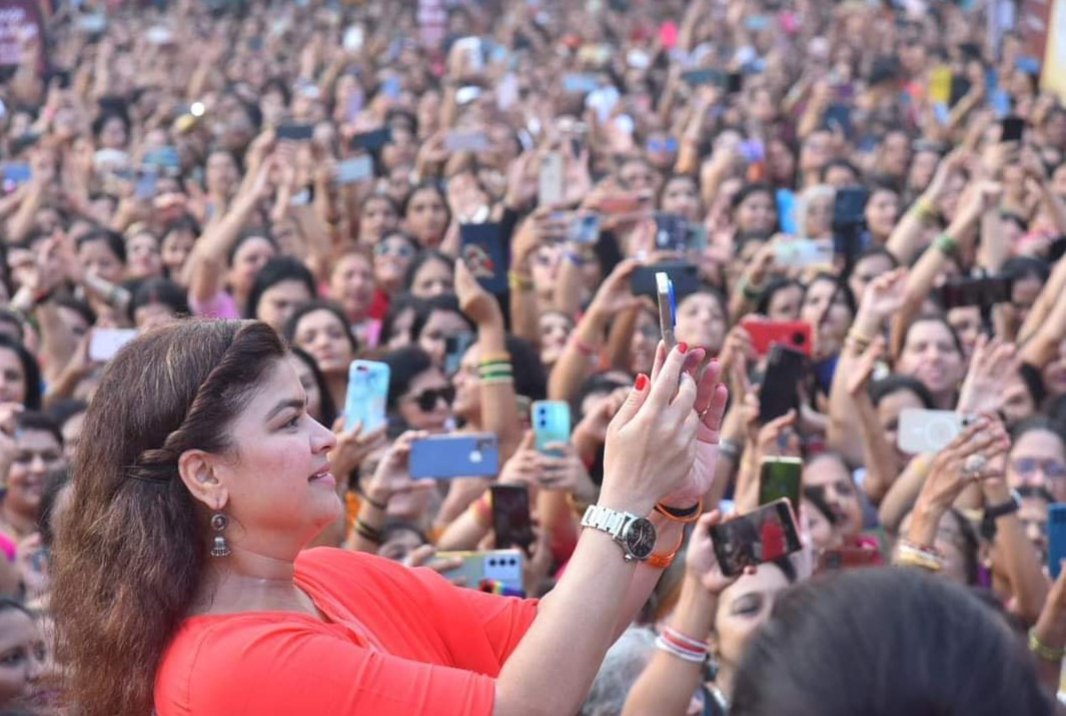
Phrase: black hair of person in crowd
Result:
[862,642]
[31,373]
[159,291]
[327,408]
[276,271]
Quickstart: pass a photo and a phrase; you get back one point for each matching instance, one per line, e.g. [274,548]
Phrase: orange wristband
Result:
[664,560]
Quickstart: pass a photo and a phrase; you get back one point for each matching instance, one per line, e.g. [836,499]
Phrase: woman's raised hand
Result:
[665,424]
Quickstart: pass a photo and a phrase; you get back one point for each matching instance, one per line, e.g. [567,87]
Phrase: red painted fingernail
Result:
[683,347]
[641,382]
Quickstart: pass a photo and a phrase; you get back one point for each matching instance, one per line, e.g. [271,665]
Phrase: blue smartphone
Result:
[1056,538]
[443,457]
[368,391]
[551,424]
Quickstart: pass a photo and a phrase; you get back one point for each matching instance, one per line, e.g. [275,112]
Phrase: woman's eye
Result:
[13,658]
[294,422]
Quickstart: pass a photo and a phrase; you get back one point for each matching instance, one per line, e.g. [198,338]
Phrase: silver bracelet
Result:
[729,448]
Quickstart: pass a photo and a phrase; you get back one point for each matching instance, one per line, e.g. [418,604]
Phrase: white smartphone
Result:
[928,431]
[802,253]
[466,142]
[355,169]
[106,342]
[550,190]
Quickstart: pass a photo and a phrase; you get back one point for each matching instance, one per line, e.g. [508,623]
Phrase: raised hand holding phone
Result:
[391,476]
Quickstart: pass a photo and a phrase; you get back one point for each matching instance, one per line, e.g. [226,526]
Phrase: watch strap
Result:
[994,512]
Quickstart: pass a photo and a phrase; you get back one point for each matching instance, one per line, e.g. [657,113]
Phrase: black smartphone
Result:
[684,277]
[849,206]
[734,82]
[984,291]
[511,519]
[671,232]
[1013,129]
[113,105]
[483,250]
[960,87]
[780,386]
[764,535]
[294,132]
[1057,249]
[371,141]
[706,76]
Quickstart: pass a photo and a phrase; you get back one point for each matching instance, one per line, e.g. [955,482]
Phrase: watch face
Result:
[640,538]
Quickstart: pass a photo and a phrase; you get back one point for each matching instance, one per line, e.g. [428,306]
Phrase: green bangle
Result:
[946,245]
[752,293]
[498,374]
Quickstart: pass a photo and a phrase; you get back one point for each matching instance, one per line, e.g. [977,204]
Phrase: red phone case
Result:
[791,334]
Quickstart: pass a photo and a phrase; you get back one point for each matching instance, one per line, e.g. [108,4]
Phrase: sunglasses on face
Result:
[427,399]
[401,250]
[1026,466]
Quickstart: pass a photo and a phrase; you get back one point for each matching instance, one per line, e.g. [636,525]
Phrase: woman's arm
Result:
[498,400]
[573,366]
[1017,556]
[206,266]
[1050,635]
[668,682]
[879,457]
[883,298]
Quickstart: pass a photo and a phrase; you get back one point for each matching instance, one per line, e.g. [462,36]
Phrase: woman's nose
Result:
[322,438]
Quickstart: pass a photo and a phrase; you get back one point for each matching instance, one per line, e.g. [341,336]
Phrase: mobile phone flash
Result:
[665,289]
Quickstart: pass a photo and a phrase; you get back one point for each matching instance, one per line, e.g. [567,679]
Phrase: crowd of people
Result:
[887,178]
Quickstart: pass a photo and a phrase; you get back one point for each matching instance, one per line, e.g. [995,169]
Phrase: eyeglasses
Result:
[662,145]
[427,399]
[403,251]
[1026,466]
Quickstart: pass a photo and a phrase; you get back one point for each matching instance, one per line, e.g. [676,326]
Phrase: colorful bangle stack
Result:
[909,554]
[1042,650]
[663,560]
[683,647]
[371,534]
[496,369]
[946,245]
[683,515]
[518,282]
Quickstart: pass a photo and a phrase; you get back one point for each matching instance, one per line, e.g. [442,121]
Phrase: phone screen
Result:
[779,391]
[294,132]
[780,479]
[1056,538]
[1013,129]
[510,516]
[761,536]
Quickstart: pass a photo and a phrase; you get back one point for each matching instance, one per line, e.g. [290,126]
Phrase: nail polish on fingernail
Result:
[683,347]
[641,382]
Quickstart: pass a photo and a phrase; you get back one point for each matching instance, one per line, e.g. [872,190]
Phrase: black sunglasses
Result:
[427,399]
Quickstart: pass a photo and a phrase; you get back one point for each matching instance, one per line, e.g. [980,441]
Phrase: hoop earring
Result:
[218,524]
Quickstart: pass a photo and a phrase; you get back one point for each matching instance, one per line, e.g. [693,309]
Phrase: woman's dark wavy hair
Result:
[130,558]
[885,641]
[328,408]
[30,370]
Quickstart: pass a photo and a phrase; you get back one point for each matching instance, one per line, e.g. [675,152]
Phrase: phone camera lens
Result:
[492,562]
[798,338]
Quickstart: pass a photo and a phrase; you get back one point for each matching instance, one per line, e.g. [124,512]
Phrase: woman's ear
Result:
[197,470]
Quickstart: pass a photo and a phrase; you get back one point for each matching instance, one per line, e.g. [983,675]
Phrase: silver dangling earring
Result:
[218,524]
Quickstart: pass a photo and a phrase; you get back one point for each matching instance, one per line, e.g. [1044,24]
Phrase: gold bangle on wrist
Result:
[1042,650]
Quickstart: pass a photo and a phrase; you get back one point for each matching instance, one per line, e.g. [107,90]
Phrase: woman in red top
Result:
[181,585]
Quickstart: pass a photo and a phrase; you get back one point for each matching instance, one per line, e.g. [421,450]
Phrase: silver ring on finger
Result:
[974,466]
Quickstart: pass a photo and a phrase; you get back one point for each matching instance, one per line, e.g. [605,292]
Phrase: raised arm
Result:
[498,414]
[878,455]
[206,266]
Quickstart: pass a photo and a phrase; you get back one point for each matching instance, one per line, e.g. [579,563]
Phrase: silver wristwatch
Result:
[635,534]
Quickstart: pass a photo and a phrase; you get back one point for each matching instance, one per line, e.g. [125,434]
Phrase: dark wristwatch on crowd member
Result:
[635,534]
[994,512]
